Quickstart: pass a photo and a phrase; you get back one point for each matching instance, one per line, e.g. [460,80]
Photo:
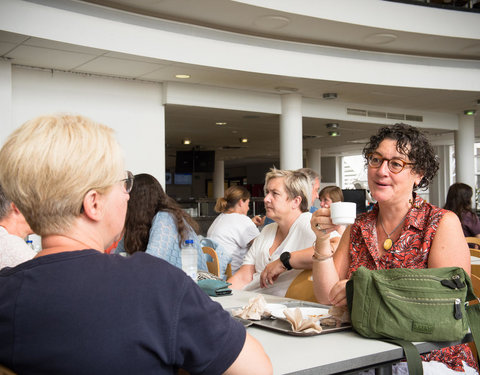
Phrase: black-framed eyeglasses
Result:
[128,182]
[375,160]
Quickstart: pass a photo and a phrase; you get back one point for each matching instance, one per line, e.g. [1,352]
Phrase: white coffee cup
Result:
[343,213]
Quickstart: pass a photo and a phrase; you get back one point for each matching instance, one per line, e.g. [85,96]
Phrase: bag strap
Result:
[414,361]
[473,316]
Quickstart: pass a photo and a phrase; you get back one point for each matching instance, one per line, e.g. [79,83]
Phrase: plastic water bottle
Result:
[189,259]
[30,244]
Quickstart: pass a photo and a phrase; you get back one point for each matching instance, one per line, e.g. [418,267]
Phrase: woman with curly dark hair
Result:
[459,200]
[156,224]
[401,231]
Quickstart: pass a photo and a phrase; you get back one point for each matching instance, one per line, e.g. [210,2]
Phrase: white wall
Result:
[132,108]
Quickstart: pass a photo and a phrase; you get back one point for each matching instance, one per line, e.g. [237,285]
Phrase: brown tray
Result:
[283,325]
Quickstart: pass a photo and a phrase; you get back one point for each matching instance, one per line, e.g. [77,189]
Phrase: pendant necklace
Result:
[388,243]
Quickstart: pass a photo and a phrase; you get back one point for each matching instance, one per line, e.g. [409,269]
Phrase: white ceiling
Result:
[262,129]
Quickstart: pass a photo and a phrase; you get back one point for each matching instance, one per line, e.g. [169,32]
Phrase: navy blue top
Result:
[85,312]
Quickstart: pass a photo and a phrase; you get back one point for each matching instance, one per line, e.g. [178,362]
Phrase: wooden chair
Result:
[302,287]
[214,265]
[228,271]
[474,245]
[6,371]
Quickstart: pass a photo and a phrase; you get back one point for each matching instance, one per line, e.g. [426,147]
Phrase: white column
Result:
[314,160]
[439,186]
[291,153]
[5,100]
[464,150]
[218,179]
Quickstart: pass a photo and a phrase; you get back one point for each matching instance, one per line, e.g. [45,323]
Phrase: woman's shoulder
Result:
[163,218]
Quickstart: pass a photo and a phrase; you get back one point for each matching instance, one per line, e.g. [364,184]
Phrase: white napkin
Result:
[338,315]
[301,324]
[255,310]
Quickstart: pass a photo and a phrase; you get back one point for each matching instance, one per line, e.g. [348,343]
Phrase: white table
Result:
[339,352]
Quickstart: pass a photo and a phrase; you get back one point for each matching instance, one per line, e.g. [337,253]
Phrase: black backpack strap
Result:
[414,361]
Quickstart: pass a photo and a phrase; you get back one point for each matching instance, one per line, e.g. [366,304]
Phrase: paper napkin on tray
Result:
[255,310]
[301,324]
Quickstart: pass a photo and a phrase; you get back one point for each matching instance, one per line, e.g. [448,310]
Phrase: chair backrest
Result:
[474,245]
[6,371]
[302,287]
[213,265]
[228,271]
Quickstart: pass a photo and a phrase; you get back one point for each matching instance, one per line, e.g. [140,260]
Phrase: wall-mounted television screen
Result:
[194,161]
[358,196]
[183,179]
[184,162]
[203,161]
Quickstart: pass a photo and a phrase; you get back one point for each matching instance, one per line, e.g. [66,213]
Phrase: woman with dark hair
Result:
[459,200]
[401,231]
[233,229]
[155,224]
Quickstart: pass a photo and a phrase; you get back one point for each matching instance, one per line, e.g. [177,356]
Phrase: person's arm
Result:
[258,220]
[301,259]
[242,277]
[251,360]
[449,248]
[331,267]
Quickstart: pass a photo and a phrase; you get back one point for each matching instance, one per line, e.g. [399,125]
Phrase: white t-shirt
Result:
[13,250]
[233,231]
[300,236]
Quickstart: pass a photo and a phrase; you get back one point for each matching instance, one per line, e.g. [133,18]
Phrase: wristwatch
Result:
[285,259]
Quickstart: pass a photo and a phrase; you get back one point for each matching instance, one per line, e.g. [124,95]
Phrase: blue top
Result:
[85,312]
[163,242]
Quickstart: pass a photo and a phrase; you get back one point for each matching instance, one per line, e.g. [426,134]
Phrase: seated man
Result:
[13,230]
[287,204]
[75,310]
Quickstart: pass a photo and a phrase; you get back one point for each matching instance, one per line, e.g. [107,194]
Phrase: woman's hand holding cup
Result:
[321,224]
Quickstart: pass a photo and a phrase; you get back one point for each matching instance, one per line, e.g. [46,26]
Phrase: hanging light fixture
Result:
[186,141]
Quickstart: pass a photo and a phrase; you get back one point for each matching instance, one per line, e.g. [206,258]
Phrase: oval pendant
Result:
[387,245]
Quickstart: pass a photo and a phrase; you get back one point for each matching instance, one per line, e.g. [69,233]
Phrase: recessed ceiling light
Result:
[243,140]
[469,112]
[332,125]
[220,123]
[330,95]
[182,76]
[186,141]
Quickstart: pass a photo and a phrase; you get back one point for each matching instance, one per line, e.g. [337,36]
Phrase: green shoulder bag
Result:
[402,305]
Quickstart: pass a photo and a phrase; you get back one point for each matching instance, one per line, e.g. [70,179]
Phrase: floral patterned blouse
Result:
[409,251]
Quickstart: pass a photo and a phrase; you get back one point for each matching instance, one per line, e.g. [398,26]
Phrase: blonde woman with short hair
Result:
[66,174]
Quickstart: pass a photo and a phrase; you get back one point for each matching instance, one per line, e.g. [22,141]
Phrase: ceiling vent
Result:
[414,118]
[356,112]
[396,116]
[378,114]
